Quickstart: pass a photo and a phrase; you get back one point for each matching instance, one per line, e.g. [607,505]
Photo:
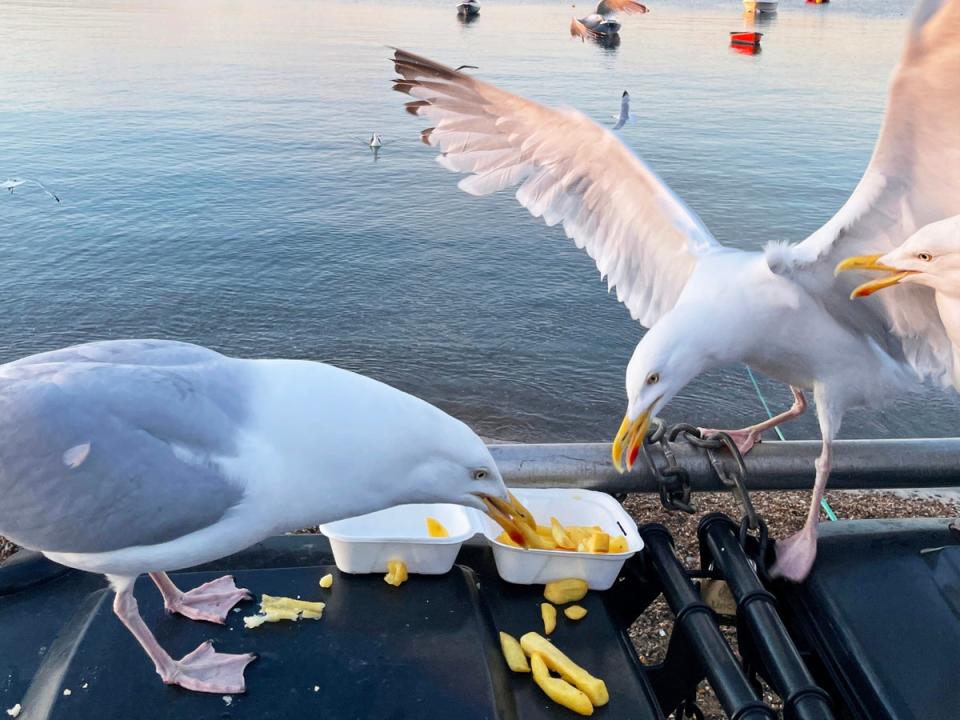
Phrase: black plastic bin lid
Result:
[429,649]
[882,612]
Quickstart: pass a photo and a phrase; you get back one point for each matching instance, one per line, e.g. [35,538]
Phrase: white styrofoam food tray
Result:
[365,544]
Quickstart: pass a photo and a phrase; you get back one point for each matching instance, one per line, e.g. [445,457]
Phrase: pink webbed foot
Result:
[795,556]
[744,439]
[206,670]
[210,601]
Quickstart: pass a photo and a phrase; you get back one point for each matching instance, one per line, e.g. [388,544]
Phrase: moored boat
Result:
[761,6]
[468,8]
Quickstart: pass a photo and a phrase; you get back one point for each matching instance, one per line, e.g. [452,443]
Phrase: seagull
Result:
[780,310]
[375,141]
[930,258]
[144,456]
[624,116]
[11,185]
[602,22]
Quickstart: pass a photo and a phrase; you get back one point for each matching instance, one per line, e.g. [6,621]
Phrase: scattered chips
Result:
[275,609]
[558,690]
[549,614]
[561,592]
[575,612]
[594,688]
[513,653]
[396,573]
[326,581]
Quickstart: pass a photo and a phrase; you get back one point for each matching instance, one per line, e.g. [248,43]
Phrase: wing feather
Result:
[567,169]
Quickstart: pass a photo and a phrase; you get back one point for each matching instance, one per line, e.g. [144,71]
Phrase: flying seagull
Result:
[144,456]
[624,117]
[602,22]
[930,258]
[11,185]
[780,310]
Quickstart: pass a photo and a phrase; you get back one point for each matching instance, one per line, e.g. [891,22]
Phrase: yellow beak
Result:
[627,442]
[515,519]
[869,262]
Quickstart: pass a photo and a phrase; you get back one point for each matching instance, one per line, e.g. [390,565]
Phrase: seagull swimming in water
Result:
[375,141]
[781,310]
[624,116]
[11,185]
[930,258]
[145,456]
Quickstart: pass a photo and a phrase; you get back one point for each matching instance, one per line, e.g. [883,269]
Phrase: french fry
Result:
[561,592]
[599,542]
[326,581]
[544,531]
[513,653]
[275,609]
[549,614]
[396,573]
[594,688]
[507,540]
[560,691]
[560,536]
[618,544]
[575,612]
[435,528]
[578,534]
[532,538]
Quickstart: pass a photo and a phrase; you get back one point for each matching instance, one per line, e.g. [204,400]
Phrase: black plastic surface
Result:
[882,612]
[428,649]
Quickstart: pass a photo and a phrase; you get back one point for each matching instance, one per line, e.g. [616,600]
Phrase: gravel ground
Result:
[784,513]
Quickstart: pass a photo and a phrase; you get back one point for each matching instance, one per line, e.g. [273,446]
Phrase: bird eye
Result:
[926,257]
[653,378]
[480,474]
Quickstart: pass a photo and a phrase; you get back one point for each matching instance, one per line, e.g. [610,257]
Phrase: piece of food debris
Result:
[316,688]
[227,700]
[561,592]
[68,692]
[513,653]
[558,690]
[435,528]
[14,711]
[396,573]
[275,609]
[327,580]
[599,542]
[594,688]
[575,612]
[549,614]
[618,544]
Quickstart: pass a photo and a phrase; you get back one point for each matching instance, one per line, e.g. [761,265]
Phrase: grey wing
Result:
[126,352]
[97,457]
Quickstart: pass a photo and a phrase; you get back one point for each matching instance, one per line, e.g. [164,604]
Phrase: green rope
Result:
[756,386]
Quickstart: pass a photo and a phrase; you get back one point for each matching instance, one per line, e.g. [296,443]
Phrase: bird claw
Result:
[744,439]
[795,556]
[211,601]
[206,670]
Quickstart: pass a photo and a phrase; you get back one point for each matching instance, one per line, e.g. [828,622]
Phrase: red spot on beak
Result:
[633,456]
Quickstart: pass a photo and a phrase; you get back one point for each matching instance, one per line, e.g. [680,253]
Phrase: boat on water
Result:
[746,38]
[871,635]
[761,6]
[468,8]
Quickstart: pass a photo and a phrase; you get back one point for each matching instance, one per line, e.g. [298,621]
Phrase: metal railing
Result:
[771,465]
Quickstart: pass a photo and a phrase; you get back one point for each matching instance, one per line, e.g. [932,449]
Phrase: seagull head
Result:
[931,257]
[663,363]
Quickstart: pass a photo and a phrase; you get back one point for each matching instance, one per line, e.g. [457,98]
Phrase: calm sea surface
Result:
[216,188]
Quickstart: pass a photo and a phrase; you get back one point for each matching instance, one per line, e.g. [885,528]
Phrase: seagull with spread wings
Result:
[602,22]
[780,310]
[14,183]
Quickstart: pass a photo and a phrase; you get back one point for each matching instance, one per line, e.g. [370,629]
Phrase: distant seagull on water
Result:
[11,185]
[375,141]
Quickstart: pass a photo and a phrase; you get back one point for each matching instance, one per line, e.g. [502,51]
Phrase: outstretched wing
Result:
[610,7]
[569,170]
[912,180]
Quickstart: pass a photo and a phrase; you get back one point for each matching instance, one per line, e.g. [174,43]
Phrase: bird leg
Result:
[203,670]
[796,554]
[211,601]
[747,437]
